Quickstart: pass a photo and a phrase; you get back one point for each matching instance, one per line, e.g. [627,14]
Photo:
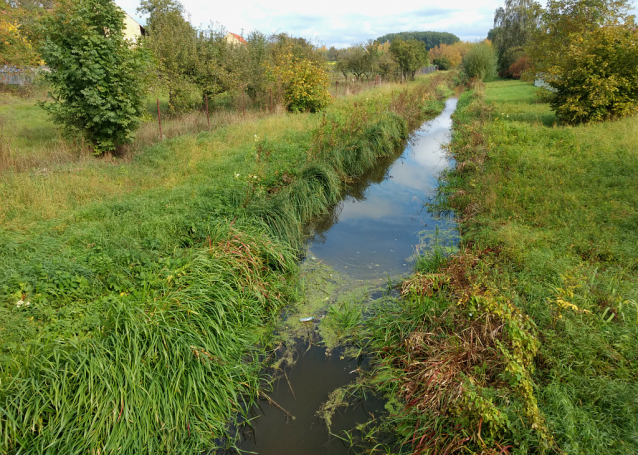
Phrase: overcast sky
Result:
[341,23]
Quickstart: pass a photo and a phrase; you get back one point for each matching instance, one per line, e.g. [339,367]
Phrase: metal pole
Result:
[159,118]
[207,114]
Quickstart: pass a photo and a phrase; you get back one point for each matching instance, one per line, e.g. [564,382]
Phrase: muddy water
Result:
[370,235]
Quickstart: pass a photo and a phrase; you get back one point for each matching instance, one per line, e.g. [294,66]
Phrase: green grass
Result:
[152,281]
[549,254]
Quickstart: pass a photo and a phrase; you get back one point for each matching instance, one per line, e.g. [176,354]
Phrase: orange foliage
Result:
[454,52]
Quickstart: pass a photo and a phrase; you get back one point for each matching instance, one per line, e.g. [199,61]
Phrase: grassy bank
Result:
[527,340]
[136,294]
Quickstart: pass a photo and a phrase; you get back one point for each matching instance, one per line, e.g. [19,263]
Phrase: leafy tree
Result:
[174,43]
[430,39]
[359,60]
[296,67]
[587,52]
[514,25]
[333,54]
[442,62]
[451,53]
[17,38]
[387,65]
[480,61]
[410,55]
[97,77]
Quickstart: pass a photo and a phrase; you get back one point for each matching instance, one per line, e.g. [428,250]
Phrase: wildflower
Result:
[21,303]
[236,175]
[255,176]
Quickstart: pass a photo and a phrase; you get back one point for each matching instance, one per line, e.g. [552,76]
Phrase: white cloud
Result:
[341,23]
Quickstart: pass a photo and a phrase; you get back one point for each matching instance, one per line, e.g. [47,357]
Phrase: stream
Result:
[370,237]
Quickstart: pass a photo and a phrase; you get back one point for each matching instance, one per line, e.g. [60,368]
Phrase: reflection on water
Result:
[374,230]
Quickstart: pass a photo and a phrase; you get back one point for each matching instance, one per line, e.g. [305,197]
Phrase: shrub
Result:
[97,78]
[304,80]
[480,62]
[519,67]
[443,63]
[597,78]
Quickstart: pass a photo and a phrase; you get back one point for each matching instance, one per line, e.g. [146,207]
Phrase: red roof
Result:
[240,38]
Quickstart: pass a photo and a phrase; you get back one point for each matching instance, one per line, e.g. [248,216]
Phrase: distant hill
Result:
[431,39]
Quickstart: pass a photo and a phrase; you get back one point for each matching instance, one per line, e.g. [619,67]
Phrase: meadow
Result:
[138,291]
[526,339]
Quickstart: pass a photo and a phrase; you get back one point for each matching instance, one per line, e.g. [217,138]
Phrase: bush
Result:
[597,78]
[519,67]
[480,62]
[443,63]
[97,78]
[304,80]
[509,57]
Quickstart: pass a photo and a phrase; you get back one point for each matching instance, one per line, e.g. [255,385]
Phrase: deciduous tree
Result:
[587,52]
[97,78]
[410,55]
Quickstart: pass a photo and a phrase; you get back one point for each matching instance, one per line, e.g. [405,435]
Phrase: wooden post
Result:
[270,91]
[243,103]
[159,119]
[336,89]
[207,114]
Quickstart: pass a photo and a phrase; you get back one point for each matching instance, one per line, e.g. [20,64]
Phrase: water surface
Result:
[375,229]
[371,233]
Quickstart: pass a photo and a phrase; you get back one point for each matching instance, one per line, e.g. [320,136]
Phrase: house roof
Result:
[239,38]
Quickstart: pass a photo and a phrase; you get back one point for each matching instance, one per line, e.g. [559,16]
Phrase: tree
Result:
[97,77]
[587,52]
[514,25]
[443,63]
[174,43]
[299,70]
[332,54]
[430,39]
[451,53]
[480,61]
[410,55]
[17,48]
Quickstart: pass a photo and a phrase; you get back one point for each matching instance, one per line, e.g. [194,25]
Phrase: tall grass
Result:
[534,322]
[133,319]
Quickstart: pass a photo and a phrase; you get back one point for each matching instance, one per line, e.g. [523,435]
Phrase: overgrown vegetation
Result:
[136,323]
[525,340]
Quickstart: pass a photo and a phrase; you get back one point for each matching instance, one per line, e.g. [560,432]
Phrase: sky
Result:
[341,23]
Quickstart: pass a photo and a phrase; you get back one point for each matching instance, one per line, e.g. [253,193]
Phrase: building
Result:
[233,38]
[132,30]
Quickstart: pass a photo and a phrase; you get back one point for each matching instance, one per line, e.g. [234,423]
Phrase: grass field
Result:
[526,340]
[136,293]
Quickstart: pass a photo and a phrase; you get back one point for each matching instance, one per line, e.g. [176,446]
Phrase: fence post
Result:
[336,89]
[159,119]
[207,114]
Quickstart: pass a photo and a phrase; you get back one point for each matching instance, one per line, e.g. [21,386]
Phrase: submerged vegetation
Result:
[524,340]
[136,322]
